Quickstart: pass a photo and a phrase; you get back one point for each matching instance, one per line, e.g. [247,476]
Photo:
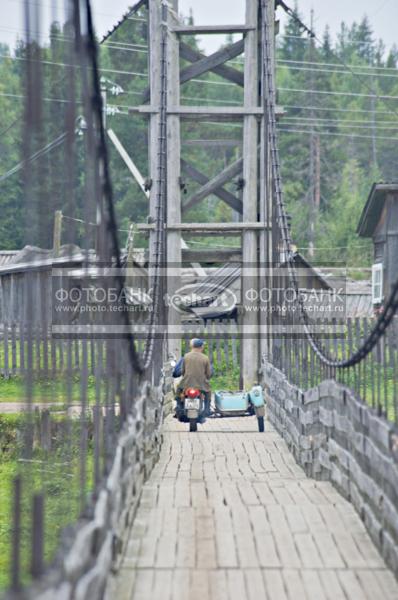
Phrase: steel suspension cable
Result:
[161,186]
[391,306]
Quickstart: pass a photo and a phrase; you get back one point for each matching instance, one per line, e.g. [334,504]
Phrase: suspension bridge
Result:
[111,497]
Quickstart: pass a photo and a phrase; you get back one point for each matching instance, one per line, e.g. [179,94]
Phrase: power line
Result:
[331,71]
[340,60]
[346,121]
[116,71]
[88,223]
[310,123]
[344,110]
[303,39]
[59,64]
[323,64]
[9,127]
[42,152]
[333,247]
[346,135]
[22,96]
[352,94]
[51,6]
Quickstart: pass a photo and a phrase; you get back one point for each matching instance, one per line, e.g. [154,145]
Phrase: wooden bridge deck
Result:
[228,515]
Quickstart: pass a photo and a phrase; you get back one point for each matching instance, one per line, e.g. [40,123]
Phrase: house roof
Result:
[373,208]
[316,272]
[205,294]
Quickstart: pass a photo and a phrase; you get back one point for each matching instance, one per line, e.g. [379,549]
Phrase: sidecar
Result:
[229,403]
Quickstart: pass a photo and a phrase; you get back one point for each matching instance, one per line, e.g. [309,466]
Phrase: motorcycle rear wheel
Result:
[193,425]
[260,421]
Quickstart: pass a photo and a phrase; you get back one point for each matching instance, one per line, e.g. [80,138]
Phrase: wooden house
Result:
[379,221]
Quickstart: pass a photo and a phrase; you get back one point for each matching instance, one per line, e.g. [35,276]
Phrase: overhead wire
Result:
[344,110]
[329,93]
[336,134]
[296,121]
[323,64]
[340,60]
[42,152]
[327,121]
[10,126]
[89,223]
[336,71]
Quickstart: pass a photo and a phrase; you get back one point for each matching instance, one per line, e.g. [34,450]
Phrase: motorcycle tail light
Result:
[192,393]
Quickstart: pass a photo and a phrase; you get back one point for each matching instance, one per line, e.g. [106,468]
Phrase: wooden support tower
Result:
[253,203]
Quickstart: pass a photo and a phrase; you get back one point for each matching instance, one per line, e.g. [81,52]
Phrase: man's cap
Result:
[198,343]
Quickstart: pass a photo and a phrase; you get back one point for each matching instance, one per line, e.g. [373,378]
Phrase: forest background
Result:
[338,135]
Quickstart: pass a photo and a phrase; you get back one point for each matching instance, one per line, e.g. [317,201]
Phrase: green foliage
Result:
[352,154]
[55,474]
[226,378]
[124,61]
[62,489]
[52,390]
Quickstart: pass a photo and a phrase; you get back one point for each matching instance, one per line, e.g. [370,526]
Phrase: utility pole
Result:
[373,120]
[312,168]
[57,233]
[317,166]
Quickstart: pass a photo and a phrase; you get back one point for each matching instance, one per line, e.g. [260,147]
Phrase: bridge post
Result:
[249,321]
[174,251]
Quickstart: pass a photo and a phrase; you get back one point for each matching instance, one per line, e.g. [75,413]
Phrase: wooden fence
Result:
[221,337]
[22,348]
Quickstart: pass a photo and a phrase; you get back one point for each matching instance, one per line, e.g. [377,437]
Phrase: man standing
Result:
[196,372]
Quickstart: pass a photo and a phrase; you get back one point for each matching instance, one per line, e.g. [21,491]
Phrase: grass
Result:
[56,475]
[45,390]
[226,376]
[226,379]
[7,473]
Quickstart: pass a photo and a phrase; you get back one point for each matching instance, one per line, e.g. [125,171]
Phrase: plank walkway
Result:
[228,515]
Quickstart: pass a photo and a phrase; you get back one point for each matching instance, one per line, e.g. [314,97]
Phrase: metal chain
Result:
[391,306]
[161,191]
[294,16]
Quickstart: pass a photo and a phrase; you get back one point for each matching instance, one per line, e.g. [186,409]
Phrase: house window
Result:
[379,251]
[377,283]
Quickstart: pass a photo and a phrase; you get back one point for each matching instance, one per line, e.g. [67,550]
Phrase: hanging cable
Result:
[391,306]
[161,191]
[294,16]
[107,190]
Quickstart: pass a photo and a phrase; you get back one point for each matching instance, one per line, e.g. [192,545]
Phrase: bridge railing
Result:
[70,475]
[374,380]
